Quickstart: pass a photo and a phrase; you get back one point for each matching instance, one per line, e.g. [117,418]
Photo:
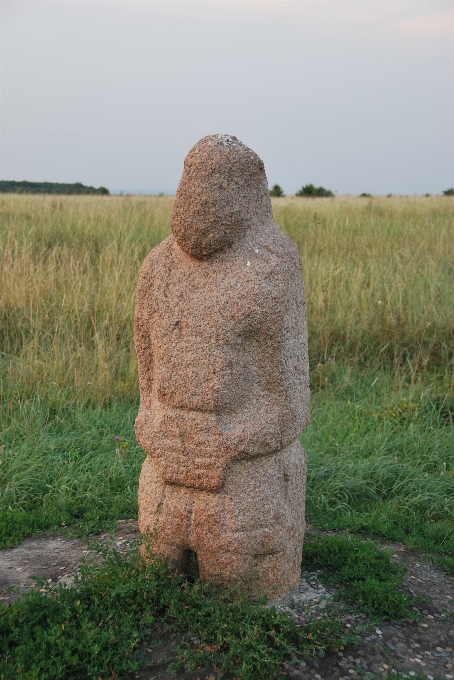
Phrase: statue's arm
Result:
[144,350]
[281,412]
[296,385]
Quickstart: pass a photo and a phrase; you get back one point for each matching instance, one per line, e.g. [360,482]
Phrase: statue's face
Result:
[207,219]
[222,189]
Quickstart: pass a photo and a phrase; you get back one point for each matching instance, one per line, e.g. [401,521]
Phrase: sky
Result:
[353,95]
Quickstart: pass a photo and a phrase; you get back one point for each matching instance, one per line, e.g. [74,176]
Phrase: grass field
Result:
[378,273]
[379,279]
[379,276]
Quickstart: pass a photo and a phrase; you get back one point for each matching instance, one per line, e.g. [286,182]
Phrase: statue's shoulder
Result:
[284,243]
[157,257]
[280,249]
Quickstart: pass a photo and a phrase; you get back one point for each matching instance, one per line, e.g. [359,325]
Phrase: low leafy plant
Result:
[365,572]
[98,628]
[314,192]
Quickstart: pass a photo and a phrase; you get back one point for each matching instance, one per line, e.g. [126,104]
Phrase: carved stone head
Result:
[223,192]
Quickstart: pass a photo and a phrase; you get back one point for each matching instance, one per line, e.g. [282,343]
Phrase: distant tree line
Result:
[307,190]
[11,187]
[314,192]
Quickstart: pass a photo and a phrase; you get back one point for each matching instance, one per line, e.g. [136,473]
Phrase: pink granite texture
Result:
[221,341]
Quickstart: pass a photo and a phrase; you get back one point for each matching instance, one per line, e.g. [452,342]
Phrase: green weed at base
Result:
[78,632]
[252,642]
[97,628]
[365,573]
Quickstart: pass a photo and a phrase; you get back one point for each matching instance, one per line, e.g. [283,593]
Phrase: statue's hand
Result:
[188,446]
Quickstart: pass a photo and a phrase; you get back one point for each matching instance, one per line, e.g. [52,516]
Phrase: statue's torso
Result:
[207,324]
[218,334]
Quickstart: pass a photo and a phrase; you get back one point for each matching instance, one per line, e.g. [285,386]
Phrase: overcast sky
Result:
[351,95]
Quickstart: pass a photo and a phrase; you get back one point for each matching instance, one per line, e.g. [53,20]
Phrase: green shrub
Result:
[314,192]
[277,191]
[448,192]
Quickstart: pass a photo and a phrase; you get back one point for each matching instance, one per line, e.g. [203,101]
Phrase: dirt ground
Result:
[425,646]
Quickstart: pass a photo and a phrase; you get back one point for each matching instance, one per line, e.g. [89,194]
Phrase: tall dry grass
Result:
[379,278]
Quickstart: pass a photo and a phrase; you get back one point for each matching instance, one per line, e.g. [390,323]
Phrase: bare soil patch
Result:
[425,646]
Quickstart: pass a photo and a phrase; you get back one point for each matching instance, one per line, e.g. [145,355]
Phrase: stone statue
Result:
[221,340]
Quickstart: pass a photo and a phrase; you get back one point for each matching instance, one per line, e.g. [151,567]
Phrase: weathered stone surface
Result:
[221,342]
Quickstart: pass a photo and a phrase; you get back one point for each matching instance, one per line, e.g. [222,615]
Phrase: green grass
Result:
[97,628]
[378,275]
[381,456]
[447,563]
[381,459]
[61,465]
[364,573]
